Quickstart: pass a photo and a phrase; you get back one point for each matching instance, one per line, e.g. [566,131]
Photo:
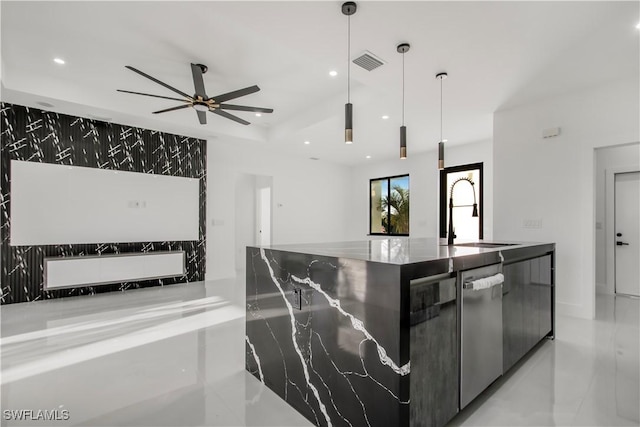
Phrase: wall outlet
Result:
[532,223]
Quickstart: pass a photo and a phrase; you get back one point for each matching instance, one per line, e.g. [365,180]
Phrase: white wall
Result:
[553,180]
[609,160]
[423,186]
[245,216]
[309,199]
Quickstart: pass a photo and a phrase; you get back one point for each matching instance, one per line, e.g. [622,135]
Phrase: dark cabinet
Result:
[545,295]
[512,319]
[434,353]
[526,306]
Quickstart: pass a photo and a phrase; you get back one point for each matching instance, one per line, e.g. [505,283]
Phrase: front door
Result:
[627,226]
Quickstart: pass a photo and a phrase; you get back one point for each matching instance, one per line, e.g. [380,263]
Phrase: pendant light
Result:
[441,77]
[348,8]
[403,48]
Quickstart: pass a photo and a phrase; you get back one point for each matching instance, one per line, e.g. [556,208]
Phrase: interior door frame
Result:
[610,220]
[261,213]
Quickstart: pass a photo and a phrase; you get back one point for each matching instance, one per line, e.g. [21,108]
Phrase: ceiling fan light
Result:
[201,107]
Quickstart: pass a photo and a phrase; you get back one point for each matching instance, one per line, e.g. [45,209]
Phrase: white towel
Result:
[487,282]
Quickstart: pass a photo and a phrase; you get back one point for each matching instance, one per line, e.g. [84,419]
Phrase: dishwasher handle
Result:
[484,282]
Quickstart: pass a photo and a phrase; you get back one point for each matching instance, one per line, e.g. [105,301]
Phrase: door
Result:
[264,216]
[627,226]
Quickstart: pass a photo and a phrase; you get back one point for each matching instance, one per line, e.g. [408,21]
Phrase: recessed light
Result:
[333,73]
[368,157]
[258,115]
[307,142]
[638,26]
[445,140]
[58,61]
[385,117]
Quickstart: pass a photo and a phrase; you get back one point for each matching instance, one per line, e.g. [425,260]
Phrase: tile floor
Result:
[174,356]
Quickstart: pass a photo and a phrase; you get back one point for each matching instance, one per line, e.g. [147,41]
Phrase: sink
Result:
[484,244]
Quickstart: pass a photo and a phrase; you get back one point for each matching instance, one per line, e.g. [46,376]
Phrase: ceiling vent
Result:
[368,61]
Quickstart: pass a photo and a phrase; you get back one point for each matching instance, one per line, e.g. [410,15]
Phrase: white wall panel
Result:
[79,271]
[55,204]
[554,180]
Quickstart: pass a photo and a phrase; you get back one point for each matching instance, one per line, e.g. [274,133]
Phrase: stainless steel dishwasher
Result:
[481,330]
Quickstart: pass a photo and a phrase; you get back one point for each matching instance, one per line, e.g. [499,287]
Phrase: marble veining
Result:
[338,365]
[256,357]
[357,325]
[294,332]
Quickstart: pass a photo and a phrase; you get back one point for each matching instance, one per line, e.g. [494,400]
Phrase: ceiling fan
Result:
[200,101]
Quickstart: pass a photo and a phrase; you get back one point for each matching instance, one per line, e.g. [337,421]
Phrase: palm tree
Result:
[398,201]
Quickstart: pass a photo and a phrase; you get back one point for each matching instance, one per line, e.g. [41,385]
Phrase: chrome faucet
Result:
[451,234]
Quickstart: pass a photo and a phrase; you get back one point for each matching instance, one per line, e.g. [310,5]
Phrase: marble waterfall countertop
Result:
[402,251]
[361,333]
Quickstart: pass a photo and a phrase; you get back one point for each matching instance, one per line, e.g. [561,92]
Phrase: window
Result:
[465,224]
[389,206]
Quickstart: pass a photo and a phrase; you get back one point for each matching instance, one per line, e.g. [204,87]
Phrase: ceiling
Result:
[497,55]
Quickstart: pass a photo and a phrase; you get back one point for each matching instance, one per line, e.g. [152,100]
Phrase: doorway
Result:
[253,219]
[263,215]
[610,162]
[467,199]
[627,228]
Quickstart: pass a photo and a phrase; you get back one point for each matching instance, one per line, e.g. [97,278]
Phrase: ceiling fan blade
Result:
[179,107]
[245,108]
[202,116]
[148,94]
[158,81]
[198,81]
[235,94]
[230,116]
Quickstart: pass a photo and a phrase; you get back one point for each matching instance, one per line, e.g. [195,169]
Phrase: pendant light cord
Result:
[349,59]
[402,88]
[441,109]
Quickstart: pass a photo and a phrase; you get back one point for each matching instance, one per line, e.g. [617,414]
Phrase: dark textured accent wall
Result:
[34,135]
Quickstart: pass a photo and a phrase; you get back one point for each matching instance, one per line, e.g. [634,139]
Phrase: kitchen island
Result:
[371,333]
